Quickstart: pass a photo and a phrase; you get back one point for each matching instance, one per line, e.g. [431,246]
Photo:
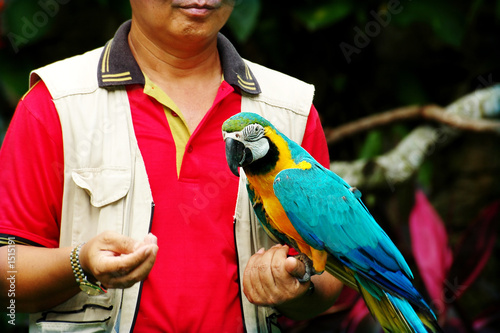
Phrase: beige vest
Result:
[106,186]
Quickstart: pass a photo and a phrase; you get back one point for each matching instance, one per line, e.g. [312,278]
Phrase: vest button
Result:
[190,149]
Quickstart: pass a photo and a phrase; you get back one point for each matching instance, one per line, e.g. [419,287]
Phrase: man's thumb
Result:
[295,267]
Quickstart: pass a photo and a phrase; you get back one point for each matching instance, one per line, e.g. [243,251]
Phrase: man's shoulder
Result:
[261,71]
[282,90]
[77,74]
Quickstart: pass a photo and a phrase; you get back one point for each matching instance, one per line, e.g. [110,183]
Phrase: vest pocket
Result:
[99,201]
[72,327]
[82,313]
[104,185]
[71,321]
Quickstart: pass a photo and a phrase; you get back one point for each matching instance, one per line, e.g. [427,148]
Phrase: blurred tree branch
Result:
[468,113]
[427,112]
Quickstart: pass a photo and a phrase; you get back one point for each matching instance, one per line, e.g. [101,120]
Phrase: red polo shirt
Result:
[193,286]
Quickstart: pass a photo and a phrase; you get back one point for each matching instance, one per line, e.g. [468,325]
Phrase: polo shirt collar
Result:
[117,65]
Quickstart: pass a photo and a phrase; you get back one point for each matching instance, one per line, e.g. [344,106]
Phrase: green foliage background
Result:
[363,56]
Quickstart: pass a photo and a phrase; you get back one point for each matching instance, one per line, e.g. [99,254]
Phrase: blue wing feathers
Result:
[329,216]
[310,238]
[393,281]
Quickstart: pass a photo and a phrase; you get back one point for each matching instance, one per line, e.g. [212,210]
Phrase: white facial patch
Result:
[259,148]
[253,137]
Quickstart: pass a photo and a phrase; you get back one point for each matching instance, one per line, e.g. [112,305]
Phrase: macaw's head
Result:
[247,145]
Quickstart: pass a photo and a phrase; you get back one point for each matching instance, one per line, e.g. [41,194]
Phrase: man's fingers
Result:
[149,239]
[120,265]
[295,267]
[135,269]
[117,260]
[111,241]
[270,277]
[251,280]
[267,265]
[264,274]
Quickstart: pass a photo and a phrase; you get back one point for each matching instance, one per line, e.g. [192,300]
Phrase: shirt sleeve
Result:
[31,172]
[314,139]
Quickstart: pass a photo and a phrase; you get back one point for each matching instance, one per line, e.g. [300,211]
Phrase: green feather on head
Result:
[241,120]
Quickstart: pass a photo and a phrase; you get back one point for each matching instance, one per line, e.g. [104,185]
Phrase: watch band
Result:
[82,280]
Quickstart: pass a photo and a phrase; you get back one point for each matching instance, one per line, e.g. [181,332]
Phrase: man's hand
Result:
[270,278]
[118,261]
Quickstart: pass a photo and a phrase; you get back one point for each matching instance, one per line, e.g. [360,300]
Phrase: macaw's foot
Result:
[309,269]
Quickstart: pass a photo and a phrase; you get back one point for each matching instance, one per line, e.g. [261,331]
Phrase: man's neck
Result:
[176,61]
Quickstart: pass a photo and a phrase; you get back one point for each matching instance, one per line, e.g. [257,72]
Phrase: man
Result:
[123,180]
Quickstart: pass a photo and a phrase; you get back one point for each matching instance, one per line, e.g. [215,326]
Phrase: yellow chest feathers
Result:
[263,185]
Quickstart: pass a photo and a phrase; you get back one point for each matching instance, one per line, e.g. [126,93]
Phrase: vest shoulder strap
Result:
[281,90]
[75,75]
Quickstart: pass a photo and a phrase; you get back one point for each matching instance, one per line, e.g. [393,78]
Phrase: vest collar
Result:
[117,65]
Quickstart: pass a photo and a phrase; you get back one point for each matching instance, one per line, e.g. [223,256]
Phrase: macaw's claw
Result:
[308,265]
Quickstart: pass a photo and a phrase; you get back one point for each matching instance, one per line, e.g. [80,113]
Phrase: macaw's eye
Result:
[253,132]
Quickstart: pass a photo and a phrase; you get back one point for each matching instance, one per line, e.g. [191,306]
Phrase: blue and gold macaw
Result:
[306,206]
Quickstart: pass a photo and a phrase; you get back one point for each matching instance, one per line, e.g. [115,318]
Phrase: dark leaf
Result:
[347,299]
[487,318]
[322,15]
[358,312]
[27,21]
[372,146]
[244,18]
[474,249]
[442,16]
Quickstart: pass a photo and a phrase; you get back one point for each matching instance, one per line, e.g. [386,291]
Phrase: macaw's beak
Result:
[237,155]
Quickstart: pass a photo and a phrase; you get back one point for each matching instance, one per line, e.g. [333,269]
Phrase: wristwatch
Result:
[85,285]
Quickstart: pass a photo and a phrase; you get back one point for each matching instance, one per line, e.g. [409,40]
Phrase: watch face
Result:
[90,289]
